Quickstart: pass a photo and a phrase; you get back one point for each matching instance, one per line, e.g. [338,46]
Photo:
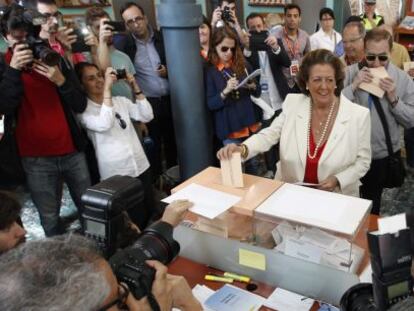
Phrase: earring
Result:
[307,87]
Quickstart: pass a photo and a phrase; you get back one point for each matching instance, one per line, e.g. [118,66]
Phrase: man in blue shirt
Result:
[145,47]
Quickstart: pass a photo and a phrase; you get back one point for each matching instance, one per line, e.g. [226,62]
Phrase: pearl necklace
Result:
[325,129]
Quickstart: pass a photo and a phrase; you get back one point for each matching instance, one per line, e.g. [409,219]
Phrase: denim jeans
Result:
[251,166]
[44,179]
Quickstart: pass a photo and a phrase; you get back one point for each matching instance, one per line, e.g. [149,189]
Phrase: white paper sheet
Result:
[207,202]
[322,209]
[392,224]
[284,300]
[253,75]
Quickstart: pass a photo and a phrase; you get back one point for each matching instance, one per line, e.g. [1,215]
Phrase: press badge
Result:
[294,68]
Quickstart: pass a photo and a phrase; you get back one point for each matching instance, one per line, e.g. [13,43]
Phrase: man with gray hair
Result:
[68,273]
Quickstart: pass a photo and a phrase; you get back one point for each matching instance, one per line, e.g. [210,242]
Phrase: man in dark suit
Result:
[274,86]
[145,47]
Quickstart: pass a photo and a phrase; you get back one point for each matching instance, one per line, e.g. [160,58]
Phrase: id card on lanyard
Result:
[264,79]
[293,48]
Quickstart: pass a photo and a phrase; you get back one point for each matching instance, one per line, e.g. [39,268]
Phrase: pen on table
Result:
[237,277]
[209,277]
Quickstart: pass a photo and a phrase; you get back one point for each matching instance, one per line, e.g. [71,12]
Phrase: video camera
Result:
[16,17]
[103,220]
[392,283]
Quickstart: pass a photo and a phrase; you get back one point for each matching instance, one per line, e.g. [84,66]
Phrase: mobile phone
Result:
[116,26]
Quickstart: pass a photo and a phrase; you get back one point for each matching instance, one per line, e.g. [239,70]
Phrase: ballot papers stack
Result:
[318,226]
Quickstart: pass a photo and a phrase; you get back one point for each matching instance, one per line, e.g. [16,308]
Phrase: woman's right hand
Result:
[232,83]
[110,78]
[226,152]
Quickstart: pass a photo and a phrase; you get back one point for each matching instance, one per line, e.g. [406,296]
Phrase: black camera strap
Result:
[153,302]
[384,122]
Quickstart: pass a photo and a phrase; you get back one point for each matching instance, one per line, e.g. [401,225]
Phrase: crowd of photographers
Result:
[81,106]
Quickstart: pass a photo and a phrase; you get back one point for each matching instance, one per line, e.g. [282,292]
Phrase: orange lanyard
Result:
[292,49]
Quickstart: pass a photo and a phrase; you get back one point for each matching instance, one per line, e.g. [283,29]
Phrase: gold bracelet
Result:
[245,151]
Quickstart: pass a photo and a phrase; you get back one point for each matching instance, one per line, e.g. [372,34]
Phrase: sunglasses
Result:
[381,58]
[121,121]
[224,49]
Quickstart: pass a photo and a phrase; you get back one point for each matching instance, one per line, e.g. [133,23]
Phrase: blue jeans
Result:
[44,179]
[251,166]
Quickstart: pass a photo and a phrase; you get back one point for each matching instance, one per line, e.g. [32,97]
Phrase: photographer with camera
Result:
[107,120]
[225,14]
[35,276]
[266,52]
[39,106]
[61,38]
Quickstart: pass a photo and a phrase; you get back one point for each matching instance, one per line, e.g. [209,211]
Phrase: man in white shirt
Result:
[271,58]
[326,37]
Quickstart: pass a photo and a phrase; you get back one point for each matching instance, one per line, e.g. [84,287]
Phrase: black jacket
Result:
[127,45]
[276,63]
[72,97]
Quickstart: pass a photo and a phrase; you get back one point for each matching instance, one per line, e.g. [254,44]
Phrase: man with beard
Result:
[12,232]
[295,41]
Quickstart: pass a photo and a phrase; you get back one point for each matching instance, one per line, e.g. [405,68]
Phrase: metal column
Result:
[179,21]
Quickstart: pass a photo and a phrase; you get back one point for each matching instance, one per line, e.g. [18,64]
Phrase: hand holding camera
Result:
[92,41]
[272,42]
[53,73]
[105,31]
[216,17]
[22,56]
[66,37]
[110,78]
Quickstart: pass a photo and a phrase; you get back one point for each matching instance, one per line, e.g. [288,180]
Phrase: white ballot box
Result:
[317,226]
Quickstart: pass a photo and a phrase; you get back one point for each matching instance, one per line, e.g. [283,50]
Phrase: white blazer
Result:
[347,154]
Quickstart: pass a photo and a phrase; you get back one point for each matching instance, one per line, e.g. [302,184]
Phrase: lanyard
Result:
[292,49]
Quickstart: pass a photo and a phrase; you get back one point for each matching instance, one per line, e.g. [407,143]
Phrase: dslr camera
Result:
[103,220]
[226,15]
[16,17]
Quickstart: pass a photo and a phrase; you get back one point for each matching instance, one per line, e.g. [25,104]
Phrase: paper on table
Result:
[231,298]
[392,224]
[231,171]
[253,75]
[284,300]
[314,207]
[252,259]
[373,87]
[202,293]
[207,202]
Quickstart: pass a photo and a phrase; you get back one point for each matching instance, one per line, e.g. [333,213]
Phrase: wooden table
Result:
[194,272]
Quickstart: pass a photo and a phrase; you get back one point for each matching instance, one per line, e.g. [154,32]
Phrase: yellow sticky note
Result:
[252,259]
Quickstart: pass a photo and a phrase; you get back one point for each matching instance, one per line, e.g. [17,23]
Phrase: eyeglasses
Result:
[135,20]
[57,15]
[381,57]
[120,301]
[121,121]
[327,19]
[224,49]
[351,40]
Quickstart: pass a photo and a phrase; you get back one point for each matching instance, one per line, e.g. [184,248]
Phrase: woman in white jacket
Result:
[118,149]
[324,138]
